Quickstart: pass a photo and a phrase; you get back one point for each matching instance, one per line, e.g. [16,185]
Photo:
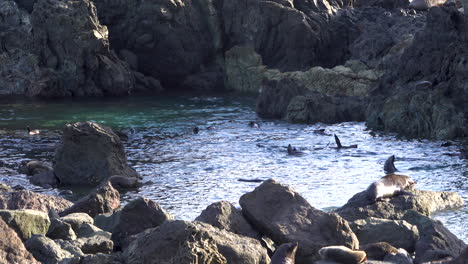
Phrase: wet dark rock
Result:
[280,213]
[88,230]
[135,217]
[437,55]
[12,249]
[107,221]
[189,242]
[90,153]
[225,216]
[124,183]
[103,199]
[30,200]
[60,230]
[435,238]
[425,202]
[94,244]
[101,258]
[398,233]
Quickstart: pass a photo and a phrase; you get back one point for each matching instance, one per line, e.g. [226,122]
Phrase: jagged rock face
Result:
[12,249]
[172,39]
[90,153]
[193,242]
[280,213]
[425,96]
[70,42]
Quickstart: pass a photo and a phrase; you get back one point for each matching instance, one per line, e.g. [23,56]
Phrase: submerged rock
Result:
[90,153]
[24,199]
[12,249]
[190,242]
[103,199]
[26,222]
[286,217]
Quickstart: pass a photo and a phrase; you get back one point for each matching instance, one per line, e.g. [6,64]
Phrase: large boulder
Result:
[425,202]
[103,199]
[76,220]
[398,233]
[225,216]
[26,222]
[280,213]
[94,244]
[30,200]
[426,90]
[58,229]
[135,217]
[90,153]
[193,242]
[12,249]
[435,239]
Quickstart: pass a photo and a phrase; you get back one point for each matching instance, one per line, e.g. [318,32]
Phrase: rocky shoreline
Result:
[98,229]
[325,61]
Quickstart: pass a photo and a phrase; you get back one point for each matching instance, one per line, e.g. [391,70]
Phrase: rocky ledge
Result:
[271,215]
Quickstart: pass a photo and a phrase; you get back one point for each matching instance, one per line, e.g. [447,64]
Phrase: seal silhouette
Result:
[285,254]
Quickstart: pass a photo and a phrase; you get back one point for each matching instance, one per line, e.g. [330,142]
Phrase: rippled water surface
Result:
[187,172]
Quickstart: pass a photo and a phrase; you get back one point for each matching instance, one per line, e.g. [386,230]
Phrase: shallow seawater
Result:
[188,172]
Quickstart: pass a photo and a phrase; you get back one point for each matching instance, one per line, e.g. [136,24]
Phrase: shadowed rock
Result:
[285,216]
[103,199]
[12,249]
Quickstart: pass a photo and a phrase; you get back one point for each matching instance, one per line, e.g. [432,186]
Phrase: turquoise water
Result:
[187,172]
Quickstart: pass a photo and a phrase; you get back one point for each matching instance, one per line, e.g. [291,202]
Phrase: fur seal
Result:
[389,166]
[342,254]
[249,180]
[389,186]
[33,131]
[285,254]
[293,151]
[379,250]
[254,124]
[339,146]
[195,130]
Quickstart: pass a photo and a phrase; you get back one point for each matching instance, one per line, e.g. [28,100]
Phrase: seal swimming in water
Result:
[285,254]
[339,146]
[195,130]
[33,131]
[293,151]
[389,186]
[254,124]
[342,254]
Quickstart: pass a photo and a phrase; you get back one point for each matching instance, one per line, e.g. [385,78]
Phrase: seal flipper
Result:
[337,141]
[389,166]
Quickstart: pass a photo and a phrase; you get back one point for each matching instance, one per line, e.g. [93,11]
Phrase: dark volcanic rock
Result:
[135,217]
[280,213]
[73,46]
[12,249]
[30,200]
[225,216]
[425,95]
[425,202]
[90,153]
[103,199]
[434,237]
[193,242]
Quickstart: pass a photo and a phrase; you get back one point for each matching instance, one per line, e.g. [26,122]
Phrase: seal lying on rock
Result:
[339,146]
[379,250]
[342,254]
[285,254]
[389,186]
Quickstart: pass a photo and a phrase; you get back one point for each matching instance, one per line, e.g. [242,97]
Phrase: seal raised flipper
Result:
[389,166]
[285,254]
[337,141]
